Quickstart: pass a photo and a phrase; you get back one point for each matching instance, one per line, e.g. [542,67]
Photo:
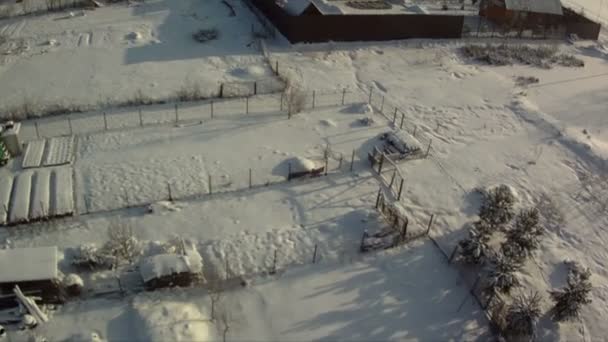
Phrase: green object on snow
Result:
[4,155]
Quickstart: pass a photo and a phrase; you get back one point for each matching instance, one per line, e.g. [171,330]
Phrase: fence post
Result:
[255,88]
[343,95]
[453,254]
[250,181]
[428,149]
[274,263]
[326,164]
[390,186]
[211,108]
[313,99]
[314,255]
[281,104]
[402,118]
[176,114]
[276,68]
[380,163]
[170,193]
[210,186]
[415,129]
[141,119]
[70,124]
[221,90]
[395,118]
[37,131]
[428,229]
[340,162]
[378,197]
[371,91]
[404,229]
[247,105]
[382,105]
[288,171]
[352,161]
[400,189]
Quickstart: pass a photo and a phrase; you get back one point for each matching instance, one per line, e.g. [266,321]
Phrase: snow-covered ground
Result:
[112,53]
[547,140]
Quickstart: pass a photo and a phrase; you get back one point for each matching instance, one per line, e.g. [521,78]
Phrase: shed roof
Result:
[162,265]
[536,6]
[28,264]
[297,7]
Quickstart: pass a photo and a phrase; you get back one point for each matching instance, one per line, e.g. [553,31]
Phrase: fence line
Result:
[276,104]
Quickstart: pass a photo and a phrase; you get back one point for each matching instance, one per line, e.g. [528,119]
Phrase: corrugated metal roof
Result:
[536,6]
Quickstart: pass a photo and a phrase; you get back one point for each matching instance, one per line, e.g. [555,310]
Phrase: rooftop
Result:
[28,264]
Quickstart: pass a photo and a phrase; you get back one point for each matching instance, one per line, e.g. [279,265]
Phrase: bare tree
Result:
[225,322]
[122,243]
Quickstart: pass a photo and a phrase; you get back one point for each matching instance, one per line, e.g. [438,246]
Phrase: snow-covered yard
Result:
[547,141]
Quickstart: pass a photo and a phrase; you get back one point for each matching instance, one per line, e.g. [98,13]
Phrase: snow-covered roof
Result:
[28,264]
[536,6]
[296,7]
[162,265]
[301,164]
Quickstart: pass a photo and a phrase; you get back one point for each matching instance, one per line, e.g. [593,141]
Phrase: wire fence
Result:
[145,116]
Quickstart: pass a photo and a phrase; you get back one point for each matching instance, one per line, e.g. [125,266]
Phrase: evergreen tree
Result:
[474,249]
[522,318]
[497,209]
[524,237]
[501,275]
[569,300]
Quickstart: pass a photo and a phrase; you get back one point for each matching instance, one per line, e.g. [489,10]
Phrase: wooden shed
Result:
[33,269]
[170,270]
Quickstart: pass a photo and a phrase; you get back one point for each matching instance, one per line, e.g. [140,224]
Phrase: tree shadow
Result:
[409,295]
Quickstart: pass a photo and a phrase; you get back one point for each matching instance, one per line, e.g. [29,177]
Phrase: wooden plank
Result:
[62,199]
[33,154]
[6,187]
[39,204]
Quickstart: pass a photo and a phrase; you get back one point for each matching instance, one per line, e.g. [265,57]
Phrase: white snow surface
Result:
[161,265]
[28,264]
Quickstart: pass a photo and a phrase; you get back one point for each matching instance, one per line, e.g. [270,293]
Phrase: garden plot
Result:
[33,195]
[138,53]
[49,152]
[118,169]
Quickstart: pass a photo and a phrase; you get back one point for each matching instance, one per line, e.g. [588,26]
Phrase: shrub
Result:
[122,243]
[497,208]
[524,237]
[190,91]
[205,35]
[522,318]
[474,249]
[570,299]
[501,275]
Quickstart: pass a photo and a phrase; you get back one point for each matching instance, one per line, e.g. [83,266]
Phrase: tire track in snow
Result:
[19,27]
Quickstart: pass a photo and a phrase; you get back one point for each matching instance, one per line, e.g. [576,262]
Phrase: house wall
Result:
[326,28]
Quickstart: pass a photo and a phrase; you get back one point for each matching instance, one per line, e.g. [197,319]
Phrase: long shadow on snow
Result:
[424,306]
[187,17]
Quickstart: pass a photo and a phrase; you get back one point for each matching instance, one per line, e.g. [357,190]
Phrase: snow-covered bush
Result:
[500,275]
[90,257]
[73,284]
[522,318]
[122,243]
[497,207]
[524,237]
[570,299]
[474,248]
[296,99]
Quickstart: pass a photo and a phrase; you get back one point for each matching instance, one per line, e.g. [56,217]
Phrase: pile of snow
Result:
[73,280]
[301,164]
[328,123]
[162,207]
[402,141]
[252,71]
[162,265]
[171,321]
[359,108]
